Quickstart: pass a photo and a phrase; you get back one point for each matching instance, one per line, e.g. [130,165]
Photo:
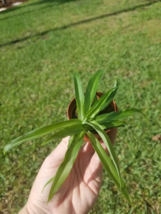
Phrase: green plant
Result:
[88,120]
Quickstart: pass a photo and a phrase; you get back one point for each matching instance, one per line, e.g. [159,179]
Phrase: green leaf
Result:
[40,132]
[104,100]
[91,90]
[112,124]
[107,142]
[95,99]
[67,164]
[68,131]
[79,96]
[108,165]
[70,140]
[116,83]
[110,98]
[51,179]
[104,118]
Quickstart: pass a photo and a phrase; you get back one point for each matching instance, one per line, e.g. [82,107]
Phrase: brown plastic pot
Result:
[71,114]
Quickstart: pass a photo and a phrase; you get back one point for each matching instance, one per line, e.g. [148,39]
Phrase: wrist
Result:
[24,210]
[31,208]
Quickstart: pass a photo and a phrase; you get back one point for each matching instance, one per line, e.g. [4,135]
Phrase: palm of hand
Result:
[80,190]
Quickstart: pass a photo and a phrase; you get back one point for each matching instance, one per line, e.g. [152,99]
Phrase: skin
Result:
[78,193]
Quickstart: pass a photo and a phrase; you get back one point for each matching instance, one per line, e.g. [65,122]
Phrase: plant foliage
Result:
[89,120]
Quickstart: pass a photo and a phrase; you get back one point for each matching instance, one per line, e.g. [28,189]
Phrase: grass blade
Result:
[67,164]
[102,102]
[79,96]
[108,144]
[40,132]
[91,90]
[68,131]
[108,165]
[112,124]
[104,118]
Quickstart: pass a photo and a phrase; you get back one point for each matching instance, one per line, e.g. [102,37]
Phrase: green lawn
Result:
[42,43]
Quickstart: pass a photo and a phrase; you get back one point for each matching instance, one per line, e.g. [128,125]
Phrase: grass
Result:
[42,43]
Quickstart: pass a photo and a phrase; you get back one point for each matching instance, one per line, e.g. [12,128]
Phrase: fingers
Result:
[95,163]
[96,168]
[94,173]
[88,148]
[65,140]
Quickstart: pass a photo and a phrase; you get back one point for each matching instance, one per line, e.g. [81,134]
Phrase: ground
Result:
[42,43]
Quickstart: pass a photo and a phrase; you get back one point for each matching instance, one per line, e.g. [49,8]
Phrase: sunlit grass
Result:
[38,57]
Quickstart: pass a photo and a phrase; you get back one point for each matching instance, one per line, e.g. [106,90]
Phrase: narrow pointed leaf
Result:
[116,83]
[68,131]
[67,164]
[95,99]
[110,98]
[105,159]
[79,96]
[70,140]
[108,165]
[116,115]
[40,132]
[52,179]
[91,90]
[112,124]
[107,142]
[104,99]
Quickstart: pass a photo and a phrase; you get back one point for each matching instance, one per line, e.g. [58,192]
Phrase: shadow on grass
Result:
[78,23]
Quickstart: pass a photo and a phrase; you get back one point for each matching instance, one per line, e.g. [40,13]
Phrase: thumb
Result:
[59,152]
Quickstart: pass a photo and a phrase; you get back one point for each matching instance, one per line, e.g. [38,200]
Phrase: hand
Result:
[78,193]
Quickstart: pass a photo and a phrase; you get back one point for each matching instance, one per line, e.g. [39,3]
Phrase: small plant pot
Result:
[112,107]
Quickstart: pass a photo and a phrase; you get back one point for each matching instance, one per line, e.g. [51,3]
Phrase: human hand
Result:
[78,193]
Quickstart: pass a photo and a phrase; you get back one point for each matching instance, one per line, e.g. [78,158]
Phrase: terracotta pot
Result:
[71,114]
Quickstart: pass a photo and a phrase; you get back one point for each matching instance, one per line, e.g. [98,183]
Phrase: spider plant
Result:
[88,120]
